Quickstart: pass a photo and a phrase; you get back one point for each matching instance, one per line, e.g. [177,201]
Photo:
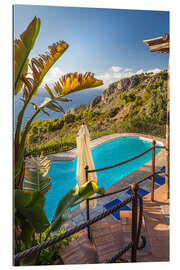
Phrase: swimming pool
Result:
[63,173]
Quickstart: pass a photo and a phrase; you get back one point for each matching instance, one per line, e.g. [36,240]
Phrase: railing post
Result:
[153,169]
[87,216]
[87,206]
[134,188]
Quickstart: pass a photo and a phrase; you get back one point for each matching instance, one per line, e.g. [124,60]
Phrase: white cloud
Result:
[116,68]
[112,75]
[139,71]
[155,70]
[52,76]
[128,69]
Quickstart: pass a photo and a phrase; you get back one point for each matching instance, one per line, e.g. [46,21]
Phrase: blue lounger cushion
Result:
[116,214]
[163,168]
[160,180]
[141,192]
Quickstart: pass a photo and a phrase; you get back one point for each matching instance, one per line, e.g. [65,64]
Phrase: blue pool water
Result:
[63,173]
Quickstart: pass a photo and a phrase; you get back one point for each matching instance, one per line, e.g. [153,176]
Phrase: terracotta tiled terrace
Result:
[110,235]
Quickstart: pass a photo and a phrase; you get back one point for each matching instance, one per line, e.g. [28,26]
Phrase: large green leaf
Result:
[22,48]
[40,66]
[30,206]
[36,174]
[29,260]
[73,197]
[20,82]
[27,232]
[48,103]
[51,104]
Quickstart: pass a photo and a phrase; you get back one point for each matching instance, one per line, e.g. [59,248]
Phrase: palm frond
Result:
[51,104]
[72,82]
[22,48]
[36,178]
[40,66]
[76,81]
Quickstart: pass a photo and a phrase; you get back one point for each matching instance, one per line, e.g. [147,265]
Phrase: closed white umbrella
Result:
[84,158]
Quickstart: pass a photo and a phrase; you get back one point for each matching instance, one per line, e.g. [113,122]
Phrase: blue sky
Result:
[108,42]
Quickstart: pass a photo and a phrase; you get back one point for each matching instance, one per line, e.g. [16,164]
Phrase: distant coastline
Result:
[78,98]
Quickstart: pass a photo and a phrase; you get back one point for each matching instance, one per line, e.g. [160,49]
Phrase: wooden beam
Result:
[159,44]
[158,40]
[162,47]
[153,41]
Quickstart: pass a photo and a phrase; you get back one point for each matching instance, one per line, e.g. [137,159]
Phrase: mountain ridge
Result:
[137,104]
[135,83]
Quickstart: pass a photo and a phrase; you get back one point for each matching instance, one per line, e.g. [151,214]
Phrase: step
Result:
[79,251]
[110,235]
[156,227]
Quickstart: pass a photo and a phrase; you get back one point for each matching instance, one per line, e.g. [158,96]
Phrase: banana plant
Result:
[29,202]
[29,81]
[72,198]
[36,178]
[32,181]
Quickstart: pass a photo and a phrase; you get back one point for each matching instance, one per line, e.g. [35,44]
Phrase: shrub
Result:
[123,98]
[69,118]
[157,104]
[113,112]
[56,124]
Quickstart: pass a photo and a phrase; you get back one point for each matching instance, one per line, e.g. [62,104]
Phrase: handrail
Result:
[124,162]
[123,189]
[87,171]
[135,231]
[160,146]
[133,244]
[121,163]
[76,229]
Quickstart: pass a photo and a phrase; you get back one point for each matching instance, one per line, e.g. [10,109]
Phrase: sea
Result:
[78,98]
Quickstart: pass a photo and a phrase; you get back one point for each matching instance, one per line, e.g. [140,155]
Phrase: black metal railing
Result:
[136,224]
[134,236]
[87,171]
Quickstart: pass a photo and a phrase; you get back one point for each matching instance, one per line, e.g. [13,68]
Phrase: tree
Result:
[29,82]
[30,218]
[29,195]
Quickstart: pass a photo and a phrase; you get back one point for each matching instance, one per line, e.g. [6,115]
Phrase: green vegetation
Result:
[125,99]
[49,255]
[29,82]
[141,109]
[31,222]
[113,112]
[155,97]
[31,182]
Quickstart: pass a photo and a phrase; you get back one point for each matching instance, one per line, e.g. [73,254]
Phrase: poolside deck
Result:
[79,216]
[111,235]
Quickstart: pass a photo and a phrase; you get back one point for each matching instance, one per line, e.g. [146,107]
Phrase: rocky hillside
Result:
[134,104]
[136,85]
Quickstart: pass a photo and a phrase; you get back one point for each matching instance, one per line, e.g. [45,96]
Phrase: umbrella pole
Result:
[87,205]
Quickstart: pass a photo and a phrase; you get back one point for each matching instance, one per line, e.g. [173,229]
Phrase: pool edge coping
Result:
[71,154]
